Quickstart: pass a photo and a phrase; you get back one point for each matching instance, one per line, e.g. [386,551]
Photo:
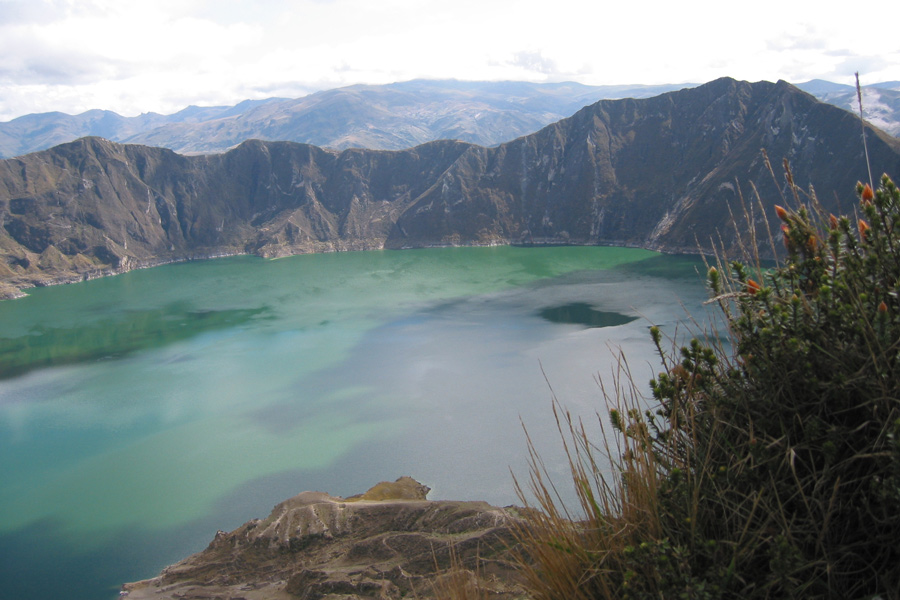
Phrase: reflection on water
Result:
[582,313]
[114,337]
[236,383]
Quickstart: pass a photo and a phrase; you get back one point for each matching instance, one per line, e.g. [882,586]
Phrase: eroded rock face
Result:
[664,173]
[389,543]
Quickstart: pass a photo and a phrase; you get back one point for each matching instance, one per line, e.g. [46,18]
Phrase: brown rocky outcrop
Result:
[389,543]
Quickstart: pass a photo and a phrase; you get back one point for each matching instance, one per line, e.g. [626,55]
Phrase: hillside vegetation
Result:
[766,467]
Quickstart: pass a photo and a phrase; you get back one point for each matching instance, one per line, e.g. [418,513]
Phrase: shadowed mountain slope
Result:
[660,173]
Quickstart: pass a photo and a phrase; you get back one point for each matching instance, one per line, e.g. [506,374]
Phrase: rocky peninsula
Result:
[388,543]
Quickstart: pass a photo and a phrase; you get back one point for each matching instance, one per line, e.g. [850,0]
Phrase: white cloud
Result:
[160,55]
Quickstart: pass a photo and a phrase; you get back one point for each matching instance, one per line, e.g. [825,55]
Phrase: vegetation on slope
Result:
[768,467]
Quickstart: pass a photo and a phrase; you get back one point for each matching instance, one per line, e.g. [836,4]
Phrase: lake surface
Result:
[141,413]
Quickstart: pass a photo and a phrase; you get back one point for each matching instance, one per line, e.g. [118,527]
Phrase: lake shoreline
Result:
[13,288]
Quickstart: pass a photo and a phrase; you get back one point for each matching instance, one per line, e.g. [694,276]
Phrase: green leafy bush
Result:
[770,469]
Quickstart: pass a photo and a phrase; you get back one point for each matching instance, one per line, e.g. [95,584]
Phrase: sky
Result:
[135,56]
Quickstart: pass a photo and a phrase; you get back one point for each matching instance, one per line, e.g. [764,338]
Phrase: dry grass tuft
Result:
[767,469]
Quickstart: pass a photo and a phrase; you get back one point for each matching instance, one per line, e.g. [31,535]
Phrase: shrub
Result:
[767,468]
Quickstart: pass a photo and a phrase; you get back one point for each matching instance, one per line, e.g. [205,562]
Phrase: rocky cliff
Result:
[93,207]
[388,543]
[663,173]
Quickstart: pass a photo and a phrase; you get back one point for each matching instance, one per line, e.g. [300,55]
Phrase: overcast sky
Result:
[134,56]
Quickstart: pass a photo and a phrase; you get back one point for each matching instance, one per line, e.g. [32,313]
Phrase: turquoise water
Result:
[141,413]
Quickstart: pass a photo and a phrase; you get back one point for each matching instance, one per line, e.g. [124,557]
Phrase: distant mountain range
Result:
[881,101]
[664,173]
[383,117]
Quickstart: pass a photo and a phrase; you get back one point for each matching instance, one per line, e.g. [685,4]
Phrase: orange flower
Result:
[752,287]
[863,228]
[867,193]
[833,220]
[882,308]
[782,214]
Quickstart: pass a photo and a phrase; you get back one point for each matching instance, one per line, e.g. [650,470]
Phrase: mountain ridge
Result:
[393,116]
[663,173]
[389,117]
[881,101]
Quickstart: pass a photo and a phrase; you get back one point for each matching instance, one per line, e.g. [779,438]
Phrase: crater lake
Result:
[141,413]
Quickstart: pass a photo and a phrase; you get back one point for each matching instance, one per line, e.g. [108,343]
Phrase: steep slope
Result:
[658,173]
[93,207]
[664,173]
